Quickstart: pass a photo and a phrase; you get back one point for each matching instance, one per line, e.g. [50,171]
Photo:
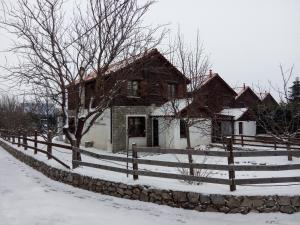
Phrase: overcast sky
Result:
[246,39]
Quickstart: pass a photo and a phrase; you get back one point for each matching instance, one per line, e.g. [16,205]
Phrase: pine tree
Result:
[295,91]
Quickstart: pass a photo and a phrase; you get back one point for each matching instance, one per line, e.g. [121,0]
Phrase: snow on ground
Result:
[205,188]
[29,198]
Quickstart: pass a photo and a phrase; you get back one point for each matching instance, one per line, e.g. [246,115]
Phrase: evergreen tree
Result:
[295,91]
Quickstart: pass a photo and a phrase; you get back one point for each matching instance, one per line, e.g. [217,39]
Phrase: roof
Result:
[242,90]
[236,113]
[211,77]
[172,106]
[130,61]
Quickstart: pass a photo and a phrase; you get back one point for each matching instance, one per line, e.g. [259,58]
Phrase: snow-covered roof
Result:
[235,112]
[171,107]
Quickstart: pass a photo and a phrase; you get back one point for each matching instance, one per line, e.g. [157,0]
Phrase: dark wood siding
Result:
[247,99]
[215,94]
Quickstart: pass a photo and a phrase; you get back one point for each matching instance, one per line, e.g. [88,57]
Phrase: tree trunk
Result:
[74,143]
[188,147]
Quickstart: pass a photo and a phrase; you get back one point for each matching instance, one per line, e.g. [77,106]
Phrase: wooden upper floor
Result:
[148,79]
[214,93]
[246,98]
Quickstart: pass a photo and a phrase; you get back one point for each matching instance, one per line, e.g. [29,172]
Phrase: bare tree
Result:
[56,50]
[16,114]
[281,121]
[193,63]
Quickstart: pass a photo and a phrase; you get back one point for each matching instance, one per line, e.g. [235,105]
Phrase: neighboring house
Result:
[268,100]
[150,81]
[214,93]
[246,98]
[243,121]
[170,131]
[230,112]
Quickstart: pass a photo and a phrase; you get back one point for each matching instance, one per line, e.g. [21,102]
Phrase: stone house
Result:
[150,82]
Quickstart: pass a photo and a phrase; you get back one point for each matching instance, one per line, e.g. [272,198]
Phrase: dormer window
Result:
[171,91]
[133,88]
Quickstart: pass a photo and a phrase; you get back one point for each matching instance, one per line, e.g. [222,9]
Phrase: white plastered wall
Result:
[249,128]
[100,132]
[169,134]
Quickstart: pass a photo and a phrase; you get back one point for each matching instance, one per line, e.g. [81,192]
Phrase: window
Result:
[136,126]
[182,129]
[133,88]
[171,91]
[240,127]
[206,100]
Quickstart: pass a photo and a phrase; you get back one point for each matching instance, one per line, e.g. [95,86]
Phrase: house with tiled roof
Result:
[246,97]
[267,99]
[230,111]
[149,82]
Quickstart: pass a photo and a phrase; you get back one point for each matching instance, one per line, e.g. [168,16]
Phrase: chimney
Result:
[210,73]
[244,86]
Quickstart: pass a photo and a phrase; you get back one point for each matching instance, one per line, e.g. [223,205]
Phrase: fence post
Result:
[275,145]
[134,162]
[190,157]
[242,139]
[13,137]
[49,146]
[24,140]
[288,148]
[230,159]
[19,138]
[35,142]
[75,151]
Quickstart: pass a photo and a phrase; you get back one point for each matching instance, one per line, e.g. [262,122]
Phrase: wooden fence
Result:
[20,139]
[136,161]
[264,141]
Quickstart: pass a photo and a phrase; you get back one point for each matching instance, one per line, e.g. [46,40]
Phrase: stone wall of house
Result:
[119,136]
[178,199]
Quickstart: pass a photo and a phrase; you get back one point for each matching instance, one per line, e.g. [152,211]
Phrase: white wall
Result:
[169,134]
[100,132]
[249,128]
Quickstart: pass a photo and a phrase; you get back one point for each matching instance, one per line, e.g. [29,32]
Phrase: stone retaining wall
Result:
[179,199]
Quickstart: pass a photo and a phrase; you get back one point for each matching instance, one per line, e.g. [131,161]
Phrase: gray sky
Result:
[246,39]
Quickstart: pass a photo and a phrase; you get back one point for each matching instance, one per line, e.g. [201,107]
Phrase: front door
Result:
[155,132]
[241,128]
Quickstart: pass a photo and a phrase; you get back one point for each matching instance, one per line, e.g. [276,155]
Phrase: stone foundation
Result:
[178,199]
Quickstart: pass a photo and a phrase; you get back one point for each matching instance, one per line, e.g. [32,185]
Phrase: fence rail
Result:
[22,140]
[290,150]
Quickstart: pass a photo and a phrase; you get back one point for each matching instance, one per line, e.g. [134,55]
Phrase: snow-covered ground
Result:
[266,189]
[29,198]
